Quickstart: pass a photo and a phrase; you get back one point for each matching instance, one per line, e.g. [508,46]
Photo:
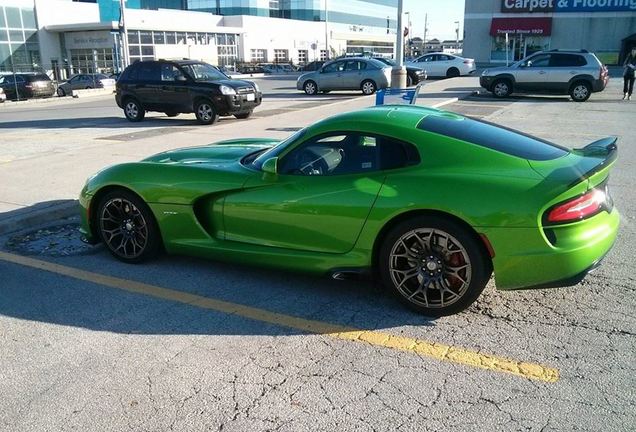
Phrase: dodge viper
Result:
[430,201]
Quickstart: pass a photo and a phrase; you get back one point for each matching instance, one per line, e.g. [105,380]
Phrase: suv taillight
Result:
[584,206]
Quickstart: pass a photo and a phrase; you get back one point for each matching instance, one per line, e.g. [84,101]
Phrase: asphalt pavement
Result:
[185,344]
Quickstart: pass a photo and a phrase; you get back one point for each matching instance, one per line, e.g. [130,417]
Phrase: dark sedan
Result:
[27,85]
[413,75]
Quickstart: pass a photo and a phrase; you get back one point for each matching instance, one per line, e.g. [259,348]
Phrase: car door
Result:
[8,84]
[318,201]
[352,75]
[443,63]
[430,64]
[533,74]
[146,86]
[330,76]
[564,67]
[173,92]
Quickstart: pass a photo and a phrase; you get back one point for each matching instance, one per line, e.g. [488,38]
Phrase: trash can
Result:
[394,96]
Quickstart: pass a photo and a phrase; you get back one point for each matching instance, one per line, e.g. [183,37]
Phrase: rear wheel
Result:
[127,227]
[433,265]
[368,87]
[205,112]
[452,72]
[580,91]
[133,110]
[501,88]
[61,92]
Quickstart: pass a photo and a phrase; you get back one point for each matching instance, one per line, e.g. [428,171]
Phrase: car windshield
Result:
[386,61]
[276,150]
[204,72]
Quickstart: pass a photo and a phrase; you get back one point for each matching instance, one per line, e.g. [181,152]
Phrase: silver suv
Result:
[578,73]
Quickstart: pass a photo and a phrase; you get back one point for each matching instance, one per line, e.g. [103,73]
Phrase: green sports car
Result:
[430,201]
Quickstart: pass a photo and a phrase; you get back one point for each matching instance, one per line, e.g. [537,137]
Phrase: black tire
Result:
[310,87]
[580,91]
[452,72]
[244,115]
[61,92]
[463,269]
[88,87]
[205,112]
[325,91]
[501,88]
[133,110]
[172,113]
[368,87]
[127,227]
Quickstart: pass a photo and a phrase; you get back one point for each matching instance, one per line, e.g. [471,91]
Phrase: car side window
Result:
[539,61]
[443,58]
[567,60]
[333,154]
[396,154]
[334,67]
[170,72]
[149,72]
[428,58]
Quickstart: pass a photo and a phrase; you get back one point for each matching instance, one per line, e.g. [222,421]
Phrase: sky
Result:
[442,15]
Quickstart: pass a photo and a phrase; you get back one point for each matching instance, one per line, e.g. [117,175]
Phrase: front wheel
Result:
[433,265]
[127,227]
[368,87]
[580,91]
[134,111]
[205,112]
[244,115]
[61,92]
[310,88]
[501,89]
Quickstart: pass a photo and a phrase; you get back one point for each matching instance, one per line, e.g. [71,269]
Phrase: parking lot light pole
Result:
[124,33]
[398,74]
[326,29]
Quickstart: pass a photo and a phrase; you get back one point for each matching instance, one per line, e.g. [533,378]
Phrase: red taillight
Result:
[578,208]
[468,61]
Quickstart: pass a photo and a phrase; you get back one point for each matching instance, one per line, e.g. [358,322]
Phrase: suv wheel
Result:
[134,111]
[205,112]
[580,91]
[501,88]
[244,115]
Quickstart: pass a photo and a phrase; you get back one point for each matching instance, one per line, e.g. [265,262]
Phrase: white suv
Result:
[577,73]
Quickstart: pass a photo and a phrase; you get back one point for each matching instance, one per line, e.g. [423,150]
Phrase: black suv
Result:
[185,86]
[27,85]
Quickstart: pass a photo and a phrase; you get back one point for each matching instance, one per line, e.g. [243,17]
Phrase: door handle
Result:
[542,72]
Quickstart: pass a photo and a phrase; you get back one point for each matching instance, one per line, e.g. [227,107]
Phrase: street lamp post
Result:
[398,74]
[407,47]
[124,33]
[457,37]
[326,29]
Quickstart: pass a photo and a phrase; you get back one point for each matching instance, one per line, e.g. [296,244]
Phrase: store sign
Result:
[89,39]
[526,26]
[562,6]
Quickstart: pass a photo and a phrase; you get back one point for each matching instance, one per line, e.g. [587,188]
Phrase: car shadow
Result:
[98,123]
[48,297]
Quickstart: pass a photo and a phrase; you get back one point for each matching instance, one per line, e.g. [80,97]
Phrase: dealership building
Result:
[496,31]
[63,37]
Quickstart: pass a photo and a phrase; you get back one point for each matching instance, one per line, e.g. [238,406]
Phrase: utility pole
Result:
[326,29]
[398,74]
[425,32]
[407,47]
[457,37]
[124,33]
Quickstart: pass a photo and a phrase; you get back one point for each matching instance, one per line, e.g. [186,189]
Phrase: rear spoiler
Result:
[604,149]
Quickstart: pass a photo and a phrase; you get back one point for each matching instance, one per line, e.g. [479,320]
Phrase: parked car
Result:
[353,73]
[249,69]
[3,97]
[444,65]
[412,194]
[115,76]
[184,86]
[312,66]
[414,75]
[577,73]
[85,81]
[27,85]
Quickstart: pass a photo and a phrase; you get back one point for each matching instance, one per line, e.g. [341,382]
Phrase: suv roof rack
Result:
[569,50]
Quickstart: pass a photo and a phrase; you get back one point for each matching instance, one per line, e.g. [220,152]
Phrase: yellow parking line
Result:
[434,350]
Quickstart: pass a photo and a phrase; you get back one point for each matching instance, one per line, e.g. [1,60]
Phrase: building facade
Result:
[500,31]
[64,37]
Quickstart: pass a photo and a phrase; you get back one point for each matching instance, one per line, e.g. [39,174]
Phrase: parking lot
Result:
[182,344]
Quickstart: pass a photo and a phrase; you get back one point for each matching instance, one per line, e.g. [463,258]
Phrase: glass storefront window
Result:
[145,37]
[133,37]
[13,17]
[28,18]
[158,38]
[170,38]
[16,36]
[519,46]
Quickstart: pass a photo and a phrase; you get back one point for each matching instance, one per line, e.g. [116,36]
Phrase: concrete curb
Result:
[92,92]
[31,218]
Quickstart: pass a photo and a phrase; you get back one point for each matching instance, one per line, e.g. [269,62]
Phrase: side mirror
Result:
[270,166]
[526,64]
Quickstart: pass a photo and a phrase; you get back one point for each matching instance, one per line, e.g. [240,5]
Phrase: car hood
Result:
[499,70]
[215,155]
[307,75]
[235,84]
